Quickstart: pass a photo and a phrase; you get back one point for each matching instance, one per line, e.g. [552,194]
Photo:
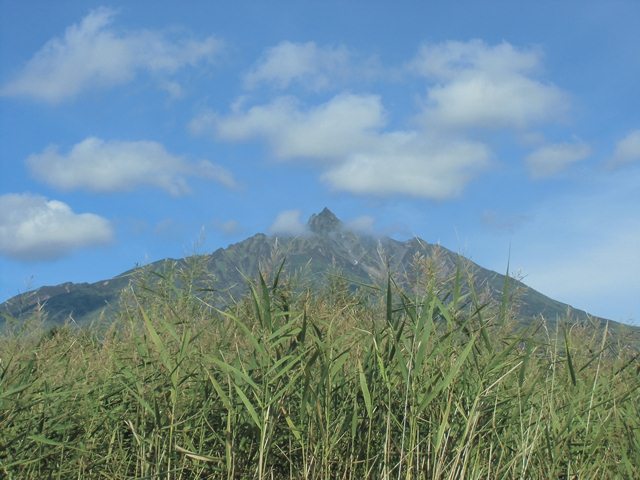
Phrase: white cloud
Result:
[108,166]
[325,132]
[288,223]
[312,66]
[93,54]
[470,85]
[478,85]
[346,134]
[408,164]
[627,150]
[549,160]
[446,60]
[34,228]
[211,171]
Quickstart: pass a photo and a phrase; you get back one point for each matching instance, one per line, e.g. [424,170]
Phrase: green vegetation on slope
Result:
[327,383]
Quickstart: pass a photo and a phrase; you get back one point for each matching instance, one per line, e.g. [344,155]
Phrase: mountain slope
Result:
[327,247]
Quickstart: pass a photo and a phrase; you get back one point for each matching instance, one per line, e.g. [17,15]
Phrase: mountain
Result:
[327,246]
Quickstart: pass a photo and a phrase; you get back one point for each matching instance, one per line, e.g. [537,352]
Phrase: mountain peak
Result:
[324,222]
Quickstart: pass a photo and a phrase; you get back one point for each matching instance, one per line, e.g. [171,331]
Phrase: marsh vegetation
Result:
[330,382]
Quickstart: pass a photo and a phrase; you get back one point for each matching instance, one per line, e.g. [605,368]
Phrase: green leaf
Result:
[157,341]
[572,372]
[446,381]
[218,388]
[365,391]
[247,403]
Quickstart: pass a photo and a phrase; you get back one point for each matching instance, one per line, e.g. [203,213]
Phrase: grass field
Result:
[323,384]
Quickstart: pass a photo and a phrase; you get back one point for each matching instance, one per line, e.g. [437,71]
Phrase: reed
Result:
[331,383]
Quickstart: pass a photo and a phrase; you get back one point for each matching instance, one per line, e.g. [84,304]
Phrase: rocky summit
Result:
[324,222]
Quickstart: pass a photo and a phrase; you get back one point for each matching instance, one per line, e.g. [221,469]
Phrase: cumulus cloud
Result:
[313,66]
[347,136]
[477,85]
[409,164]
[34,228]
[470,86]
[108,166]
[93,54]
[550,160]
[627,150]
[288,223]
[327,131]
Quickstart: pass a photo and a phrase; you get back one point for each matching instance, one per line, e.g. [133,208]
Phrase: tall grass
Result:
[326,384]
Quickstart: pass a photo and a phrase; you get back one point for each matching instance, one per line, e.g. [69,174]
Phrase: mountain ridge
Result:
[327,244]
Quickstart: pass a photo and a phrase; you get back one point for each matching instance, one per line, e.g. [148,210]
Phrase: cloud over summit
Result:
[288,222]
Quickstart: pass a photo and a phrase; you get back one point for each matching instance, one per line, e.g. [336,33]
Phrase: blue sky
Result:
[135,131]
